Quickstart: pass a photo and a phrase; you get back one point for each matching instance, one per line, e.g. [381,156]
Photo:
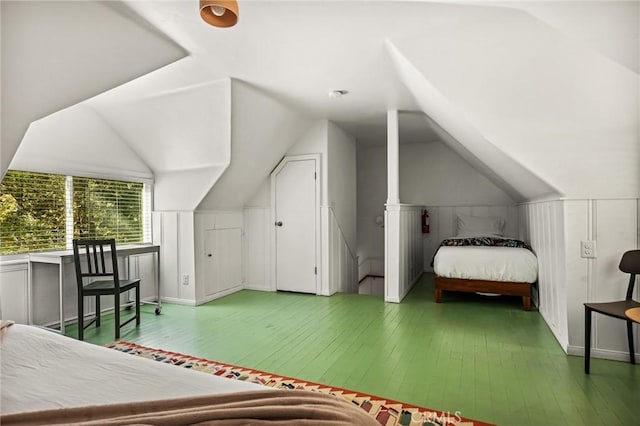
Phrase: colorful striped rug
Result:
[386,411]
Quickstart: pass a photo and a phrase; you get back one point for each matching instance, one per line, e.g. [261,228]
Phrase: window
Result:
[40,212]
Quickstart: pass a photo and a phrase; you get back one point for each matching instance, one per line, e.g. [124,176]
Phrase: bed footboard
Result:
[473,286]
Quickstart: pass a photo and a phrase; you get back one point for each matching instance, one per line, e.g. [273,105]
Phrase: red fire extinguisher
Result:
[425,222]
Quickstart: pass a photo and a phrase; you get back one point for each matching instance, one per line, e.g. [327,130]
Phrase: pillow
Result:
[472,226]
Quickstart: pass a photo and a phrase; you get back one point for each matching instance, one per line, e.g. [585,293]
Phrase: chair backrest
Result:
[630,263]
[95,252]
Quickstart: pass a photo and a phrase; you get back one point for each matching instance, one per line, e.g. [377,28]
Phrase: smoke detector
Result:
[337,93]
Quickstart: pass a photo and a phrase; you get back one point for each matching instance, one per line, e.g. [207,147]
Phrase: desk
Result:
[66,256]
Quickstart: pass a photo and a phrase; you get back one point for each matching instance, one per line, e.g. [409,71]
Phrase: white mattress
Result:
[486,263]
[44,370]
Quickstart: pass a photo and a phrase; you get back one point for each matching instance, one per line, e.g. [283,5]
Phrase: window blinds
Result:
[107,209]
[40,212]
[32,212]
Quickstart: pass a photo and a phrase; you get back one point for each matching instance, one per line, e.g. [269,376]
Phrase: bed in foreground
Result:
[481,260]
[51,379]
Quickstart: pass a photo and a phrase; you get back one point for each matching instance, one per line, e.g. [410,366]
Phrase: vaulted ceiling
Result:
[508,85]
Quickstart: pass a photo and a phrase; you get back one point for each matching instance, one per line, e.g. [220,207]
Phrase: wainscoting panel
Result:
[343,266]
[257,248]
[404,258]
[542,225]
[614,225]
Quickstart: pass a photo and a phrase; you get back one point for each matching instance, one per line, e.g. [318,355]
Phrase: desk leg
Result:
[159,306]
[61,290]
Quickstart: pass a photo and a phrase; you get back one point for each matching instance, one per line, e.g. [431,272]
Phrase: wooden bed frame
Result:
[473,286]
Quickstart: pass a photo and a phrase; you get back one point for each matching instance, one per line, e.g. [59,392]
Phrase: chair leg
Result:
[97,310]
[587,339]
[632,351]
[116,311]
[80,316]
[138,305]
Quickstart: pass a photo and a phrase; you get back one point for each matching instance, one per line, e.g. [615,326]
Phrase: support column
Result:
[392,212]
[393,158]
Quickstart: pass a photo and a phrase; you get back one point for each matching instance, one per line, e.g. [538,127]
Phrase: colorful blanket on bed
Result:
[482,241]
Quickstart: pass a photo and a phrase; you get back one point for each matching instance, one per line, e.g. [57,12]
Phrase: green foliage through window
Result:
[37,210]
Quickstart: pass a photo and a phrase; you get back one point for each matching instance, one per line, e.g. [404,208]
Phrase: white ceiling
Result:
[298,51]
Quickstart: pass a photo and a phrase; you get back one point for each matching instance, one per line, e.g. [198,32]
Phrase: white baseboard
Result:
[178,301]
[258,288]
[602,353]
[219,295]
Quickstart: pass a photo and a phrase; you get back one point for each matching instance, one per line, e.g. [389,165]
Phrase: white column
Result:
[392,213]
[393,158]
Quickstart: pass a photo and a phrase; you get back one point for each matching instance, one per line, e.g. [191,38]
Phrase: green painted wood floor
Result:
[486,358]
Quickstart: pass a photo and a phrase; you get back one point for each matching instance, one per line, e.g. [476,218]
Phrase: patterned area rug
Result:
[386,412]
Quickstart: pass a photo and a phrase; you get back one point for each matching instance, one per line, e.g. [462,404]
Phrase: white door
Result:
[223,260]
[295,213]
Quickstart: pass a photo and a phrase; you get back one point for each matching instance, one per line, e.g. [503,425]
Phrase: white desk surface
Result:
[66,256]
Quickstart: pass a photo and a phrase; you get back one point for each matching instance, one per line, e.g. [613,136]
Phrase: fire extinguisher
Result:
[425,222]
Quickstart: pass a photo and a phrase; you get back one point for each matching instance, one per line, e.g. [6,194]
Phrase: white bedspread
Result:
[43,370]
[486,263]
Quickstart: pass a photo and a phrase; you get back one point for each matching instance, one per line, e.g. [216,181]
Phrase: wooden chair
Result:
[105,282]
[630,263]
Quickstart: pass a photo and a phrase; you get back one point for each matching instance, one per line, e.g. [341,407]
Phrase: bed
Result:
[481,260]
[51,379]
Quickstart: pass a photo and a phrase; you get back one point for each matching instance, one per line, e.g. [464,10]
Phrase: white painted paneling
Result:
[577,228]
[218,233]
[615,229]
[342,262]
[257,249]
[567,280]
[222,262]
[14,292]
[404,250]
[169,254]
[542,225]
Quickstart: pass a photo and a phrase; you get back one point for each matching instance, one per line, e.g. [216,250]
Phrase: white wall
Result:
[609,27]
[433,175]
[257,248]
[371,198]
[542,224]
[76,141]
[174,231]
[183,135]
[539,108]
[339,212]
[262,130]
[342,181]
[55,54]
[403,250]
[568,280]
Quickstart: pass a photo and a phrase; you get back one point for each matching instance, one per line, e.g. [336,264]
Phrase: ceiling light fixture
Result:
[219,13]
[337,93]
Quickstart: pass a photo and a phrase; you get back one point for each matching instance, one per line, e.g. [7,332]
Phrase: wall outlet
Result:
[185,279]
[588,249]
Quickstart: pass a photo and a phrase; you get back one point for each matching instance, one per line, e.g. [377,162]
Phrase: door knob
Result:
[279,223]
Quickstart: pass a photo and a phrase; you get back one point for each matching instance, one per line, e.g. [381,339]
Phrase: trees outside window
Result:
[43,212]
